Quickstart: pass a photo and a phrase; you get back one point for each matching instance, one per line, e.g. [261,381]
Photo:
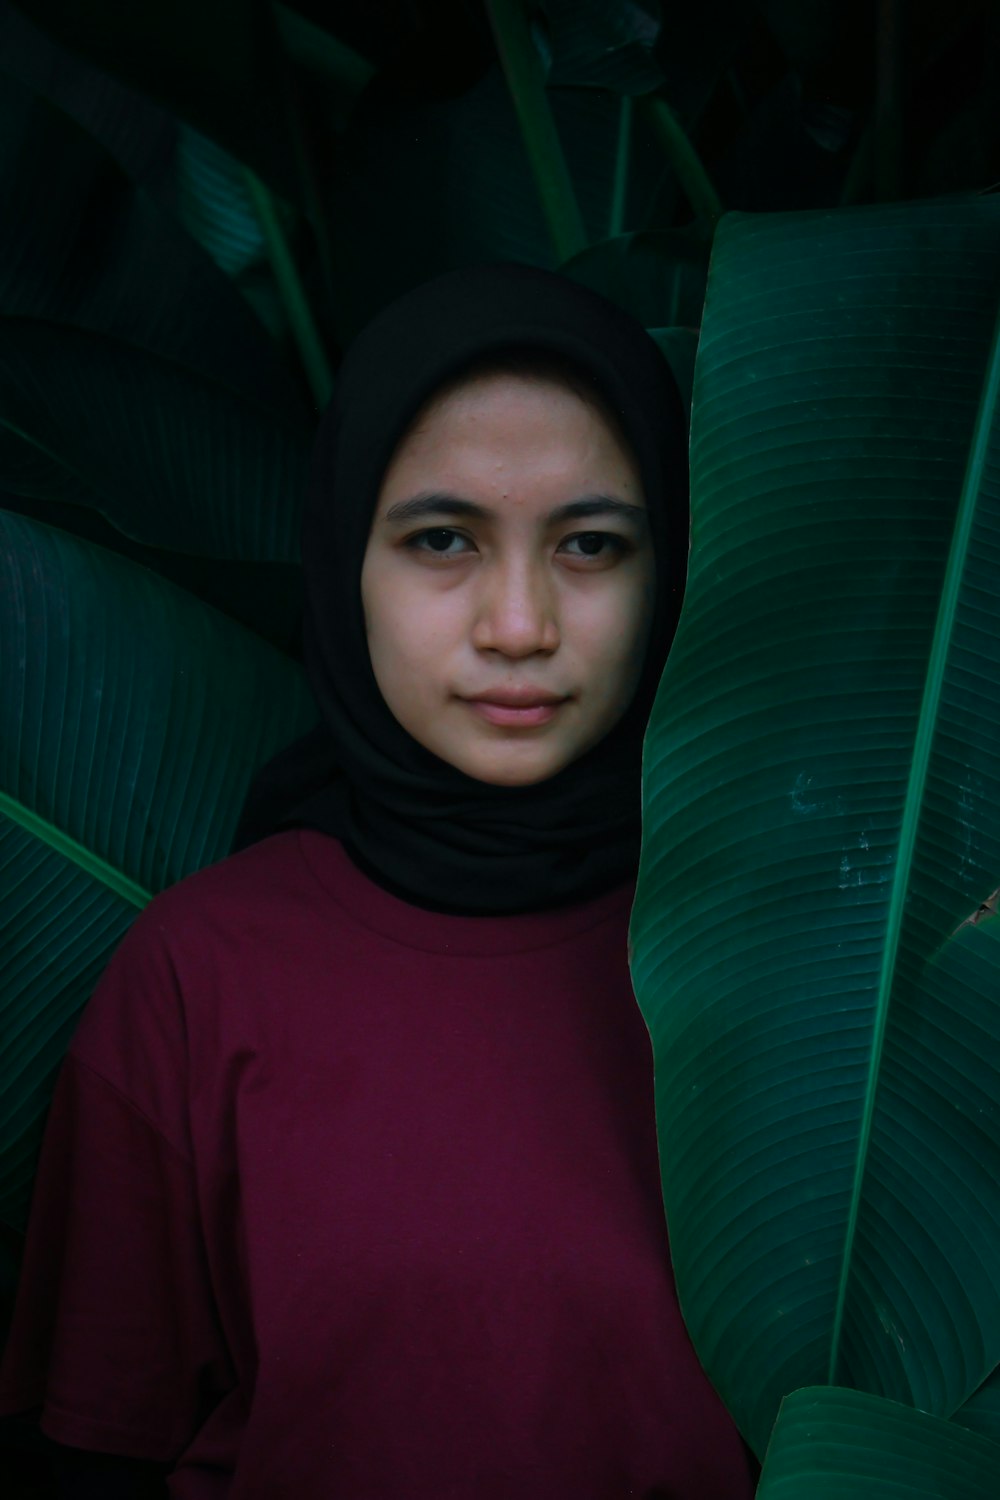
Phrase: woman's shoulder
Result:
[190,978]
[234,894]
[182,950]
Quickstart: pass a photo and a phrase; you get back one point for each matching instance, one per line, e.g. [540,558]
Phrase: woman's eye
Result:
[443,542]
[600,544]
[438,541]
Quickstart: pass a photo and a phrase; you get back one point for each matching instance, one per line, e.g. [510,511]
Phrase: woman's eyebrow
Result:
[452,505]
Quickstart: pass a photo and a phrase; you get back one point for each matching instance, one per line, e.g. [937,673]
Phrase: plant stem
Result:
[683,158]
[617,220]
[523,72]
[293,296]
[888,133]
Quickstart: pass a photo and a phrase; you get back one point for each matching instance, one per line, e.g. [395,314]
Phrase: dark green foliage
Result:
[216,65]
[132,719]
[597,44]
[203,203]
[816,942]
[831,1443]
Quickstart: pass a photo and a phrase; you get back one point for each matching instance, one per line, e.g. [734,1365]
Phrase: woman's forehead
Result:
[503,432]
[518,403]
[496,392]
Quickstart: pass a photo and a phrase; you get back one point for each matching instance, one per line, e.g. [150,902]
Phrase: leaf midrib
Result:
[913,804]
[93,865]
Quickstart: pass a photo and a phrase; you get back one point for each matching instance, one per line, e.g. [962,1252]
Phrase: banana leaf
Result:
[215,65]
[132,720]
[815,938]
[169,456]
[981,1413]
[604,44]
[82,246]
[214,204]
[137,133]
[829,1442]
[101,295]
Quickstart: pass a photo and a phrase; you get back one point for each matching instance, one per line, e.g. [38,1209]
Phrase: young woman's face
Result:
[509,579]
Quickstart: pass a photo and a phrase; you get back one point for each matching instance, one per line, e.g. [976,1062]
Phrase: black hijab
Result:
[418,826]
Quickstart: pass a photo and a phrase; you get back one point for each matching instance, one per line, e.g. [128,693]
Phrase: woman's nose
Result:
[516,612]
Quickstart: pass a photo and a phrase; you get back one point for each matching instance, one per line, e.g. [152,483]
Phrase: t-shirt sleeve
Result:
[115,1341]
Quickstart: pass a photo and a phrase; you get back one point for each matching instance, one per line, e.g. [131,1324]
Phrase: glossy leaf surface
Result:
[132,720]
[816,948]
[829,1442]
[981,1413]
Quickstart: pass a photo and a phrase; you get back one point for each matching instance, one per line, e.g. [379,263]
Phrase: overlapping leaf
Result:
[604,44]
[132,720]
[136,132]
[136,386]
[815,946]
[168,456]
[82,246]
[829,1442]
[658,277]
[215,65]
[214,204]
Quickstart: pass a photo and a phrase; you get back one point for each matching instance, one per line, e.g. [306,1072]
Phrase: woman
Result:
[350,1186]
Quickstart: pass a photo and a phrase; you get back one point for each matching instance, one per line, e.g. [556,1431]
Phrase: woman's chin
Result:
[508,770]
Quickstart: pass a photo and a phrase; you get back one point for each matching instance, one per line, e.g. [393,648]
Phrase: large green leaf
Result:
[169,456]
[816,949]
[132,720]
[215,65]
[81,245]
[829,1442]
[122,299]
[137,133]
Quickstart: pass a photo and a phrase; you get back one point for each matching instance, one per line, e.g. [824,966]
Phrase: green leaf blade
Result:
[133,719]
[839,376]
[120,693]
[167,455]
[97,252]
[597,44]
[981,1413]
[829,1442]
[974,490]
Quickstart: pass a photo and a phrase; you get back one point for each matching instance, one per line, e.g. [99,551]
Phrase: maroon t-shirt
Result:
[347,1200]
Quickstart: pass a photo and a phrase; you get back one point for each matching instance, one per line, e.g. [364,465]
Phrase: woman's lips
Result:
[518,718]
